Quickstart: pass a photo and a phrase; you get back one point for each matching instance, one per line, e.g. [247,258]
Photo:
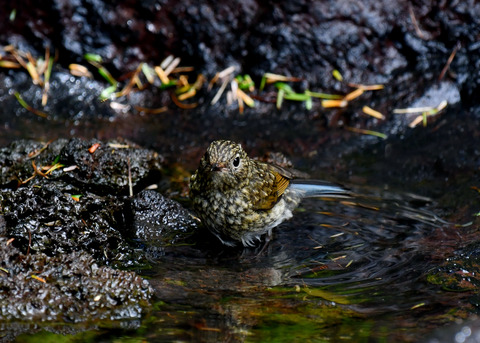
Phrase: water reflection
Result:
[350,260]
[356,270]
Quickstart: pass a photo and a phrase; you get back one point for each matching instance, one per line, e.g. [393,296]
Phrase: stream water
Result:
[372,268]
[397,262]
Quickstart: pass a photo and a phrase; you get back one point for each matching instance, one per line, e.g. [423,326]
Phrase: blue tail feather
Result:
[313,188]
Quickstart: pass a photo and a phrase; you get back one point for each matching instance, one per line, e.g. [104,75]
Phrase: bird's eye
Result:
[236,162]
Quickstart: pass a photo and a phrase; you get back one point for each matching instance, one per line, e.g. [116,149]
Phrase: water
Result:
[341,270]
[379,267]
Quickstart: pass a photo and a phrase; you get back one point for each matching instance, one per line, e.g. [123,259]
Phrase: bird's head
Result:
[225,163]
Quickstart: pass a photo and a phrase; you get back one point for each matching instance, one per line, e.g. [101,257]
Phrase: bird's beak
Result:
[218,166]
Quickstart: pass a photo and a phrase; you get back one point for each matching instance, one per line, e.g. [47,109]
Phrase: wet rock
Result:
[59,230]
[80,206]
[16,160]
[67,288]
[160,219]
[459,273]
[432,97]
[47,219]
[107,168]
[371,42]
[444,91]
[70,97]
[104,170]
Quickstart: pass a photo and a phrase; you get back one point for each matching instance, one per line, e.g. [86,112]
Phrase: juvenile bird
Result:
[240,199]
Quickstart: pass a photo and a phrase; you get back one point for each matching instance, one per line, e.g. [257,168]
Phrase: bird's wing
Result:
[289,173]
[274,190]
[281,183]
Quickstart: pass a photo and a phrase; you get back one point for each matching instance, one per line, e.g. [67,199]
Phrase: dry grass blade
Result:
[151,110]
[172,66]
[367,87]
[199,82]
[240,105]
[37,170]
[161,75]
[117,106]
[414,21]
[182,70]
[128,88]
[353,95]
[70,168]
[334,103]
[449,61]
[38,278]
[416,121]
[425,112]
[187,95]
[118,146]
[182,105]
[166,61]
[272,78]
[219,93]
[42,65]
[54,167]
[33,74]
[35,153]
[367,132]
[221,75]
[48,73]
[412,110]
[226,72]
[79,70]
[373,113]
[148,72]
[245,98]
[9,64]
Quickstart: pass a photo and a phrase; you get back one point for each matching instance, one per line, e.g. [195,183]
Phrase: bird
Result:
[241,199]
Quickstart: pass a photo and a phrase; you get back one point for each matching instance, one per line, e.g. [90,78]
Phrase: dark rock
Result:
[107,168]
[49,220]
[156,218]
[70,97]
[67,224]
[369,42]
[103,171]
[16,162]
[68,288]
[301,38]
[82,209]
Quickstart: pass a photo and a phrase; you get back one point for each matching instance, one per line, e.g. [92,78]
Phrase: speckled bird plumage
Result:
[240,199]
